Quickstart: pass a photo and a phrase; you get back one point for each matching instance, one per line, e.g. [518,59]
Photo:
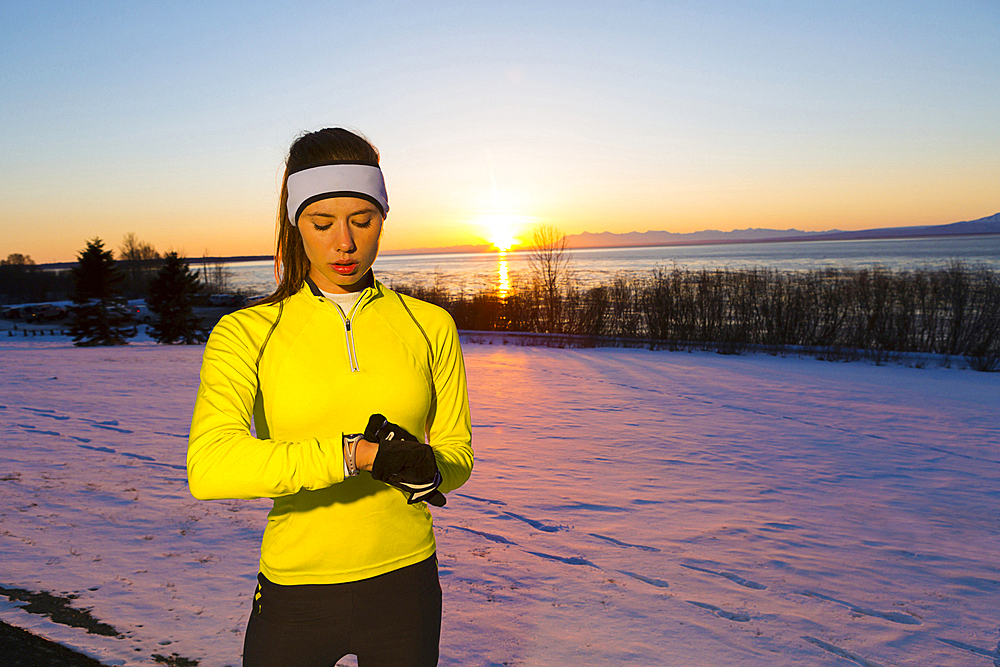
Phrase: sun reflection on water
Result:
[503,278]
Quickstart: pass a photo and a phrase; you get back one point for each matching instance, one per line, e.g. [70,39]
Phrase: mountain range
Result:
[988,225]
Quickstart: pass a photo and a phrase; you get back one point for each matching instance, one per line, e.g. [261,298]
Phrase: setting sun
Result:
[502,230]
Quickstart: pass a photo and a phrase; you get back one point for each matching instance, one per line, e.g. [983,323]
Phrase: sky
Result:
[172,120]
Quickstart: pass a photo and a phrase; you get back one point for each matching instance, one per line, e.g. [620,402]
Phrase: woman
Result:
[336,371]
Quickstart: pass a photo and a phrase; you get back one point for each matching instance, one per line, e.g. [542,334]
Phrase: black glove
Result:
[404,462]
[379,428]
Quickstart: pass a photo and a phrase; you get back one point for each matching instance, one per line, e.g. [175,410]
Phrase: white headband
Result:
[335,180]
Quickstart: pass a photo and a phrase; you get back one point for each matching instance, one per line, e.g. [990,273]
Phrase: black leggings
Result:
[393,619]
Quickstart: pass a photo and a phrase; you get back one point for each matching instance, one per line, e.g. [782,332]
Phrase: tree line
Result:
[23,281]
[836,313]
[98,286]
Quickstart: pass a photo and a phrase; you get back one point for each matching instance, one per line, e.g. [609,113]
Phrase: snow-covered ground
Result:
[628,507]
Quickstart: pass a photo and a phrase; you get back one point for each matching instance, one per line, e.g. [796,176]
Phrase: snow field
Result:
[627,507]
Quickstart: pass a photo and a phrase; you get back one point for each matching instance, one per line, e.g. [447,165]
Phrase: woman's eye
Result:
[363,223]
[322,228]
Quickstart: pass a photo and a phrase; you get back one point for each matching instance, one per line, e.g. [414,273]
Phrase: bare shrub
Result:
[980,338]
[216,277]
[139,262]
[549,267]
[838,314]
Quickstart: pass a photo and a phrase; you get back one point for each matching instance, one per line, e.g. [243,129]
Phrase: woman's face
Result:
[341,237]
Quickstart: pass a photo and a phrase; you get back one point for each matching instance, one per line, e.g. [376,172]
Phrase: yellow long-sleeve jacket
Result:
[307,377]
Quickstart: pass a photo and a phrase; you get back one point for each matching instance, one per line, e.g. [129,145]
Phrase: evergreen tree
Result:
[99,313]
[171,297]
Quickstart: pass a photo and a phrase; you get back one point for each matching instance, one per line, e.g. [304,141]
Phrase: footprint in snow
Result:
[894,616]
[659,583]
[591,507]
[481,500]
[782,526]
[737,616]
[974,649]
[106,450]
[843,653]
[736,579]
[571,560]
[537,525]
[46,413]
[170,465]
[147,459]
[32,429]
[499,539]
[110,425]
[138,456]
[612,540]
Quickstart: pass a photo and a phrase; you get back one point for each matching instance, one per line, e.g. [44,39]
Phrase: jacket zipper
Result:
[352,357]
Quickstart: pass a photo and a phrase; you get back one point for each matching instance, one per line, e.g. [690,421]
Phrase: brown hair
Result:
[291,266]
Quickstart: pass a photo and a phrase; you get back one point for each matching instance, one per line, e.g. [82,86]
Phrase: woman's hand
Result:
[403,461]
[364,458]
[379,428]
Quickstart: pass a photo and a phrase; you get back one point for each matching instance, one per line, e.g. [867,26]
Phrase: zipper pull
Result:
[347,323]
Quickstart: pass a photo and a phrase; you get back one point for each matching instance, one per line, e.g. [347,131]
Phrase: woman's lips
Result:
[344,269]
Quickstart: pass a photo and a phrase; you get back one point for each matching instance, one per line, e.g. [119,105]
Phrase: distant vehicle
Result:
[117,308]
[13,312]
[28,312]
[122,310]
[48,312]
[140,312]
[225,300]
[38,312]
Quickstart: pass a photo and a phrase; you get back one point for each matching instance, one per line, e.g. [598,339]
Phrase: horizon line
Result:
[879,233]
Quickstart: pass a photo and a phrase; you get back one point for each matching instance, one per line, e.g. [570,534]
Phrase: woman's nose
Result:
[345,240]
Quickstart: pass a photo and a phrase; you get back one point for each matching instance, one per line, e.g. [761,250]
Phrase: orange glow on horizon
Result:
[502,230]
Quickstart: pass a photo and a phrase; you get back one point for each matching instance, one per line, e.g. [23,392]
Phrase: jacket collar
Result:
[368,280]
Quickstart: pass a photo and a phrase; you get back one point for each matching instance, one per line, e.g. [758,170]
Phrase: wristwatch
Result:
[350,452]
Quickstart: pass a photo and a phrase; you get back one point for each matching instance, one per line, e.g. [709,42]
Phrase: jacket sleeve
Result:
[224,458]
[449,423]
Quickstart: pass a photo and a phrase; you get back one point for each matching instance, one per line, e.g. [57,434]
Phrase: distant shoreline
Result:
[867,235]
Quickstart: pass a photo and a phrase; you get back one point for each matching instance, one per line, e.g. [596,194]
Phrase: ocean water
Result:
[469,273]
